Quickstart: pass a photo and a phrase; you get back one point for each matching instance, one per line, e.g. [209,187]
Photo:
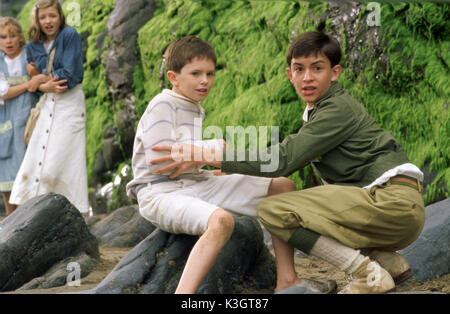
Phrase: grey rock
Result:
[416,292]
[2,208]
[61,273]
[39,234]
[11,7]
[155,265]
[123,24]
[429,255]
[124,227]
[298,289]
[108,157]
[440,187]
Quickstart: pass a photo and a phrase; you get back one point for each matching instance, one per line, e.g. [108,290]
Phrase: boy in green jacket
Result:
[370,204]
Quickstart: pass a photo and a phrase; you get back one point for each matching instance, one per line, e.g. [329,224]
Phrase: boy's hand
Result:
[31,69]
[184,157]
[181,157]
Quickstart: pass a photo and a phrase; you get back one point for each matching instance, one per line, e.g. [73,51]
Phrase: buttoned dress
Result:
[55,160]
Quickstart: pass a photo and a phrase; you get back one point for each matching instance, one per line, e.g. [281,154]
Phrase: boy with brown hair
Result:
[196,203]
[371,202]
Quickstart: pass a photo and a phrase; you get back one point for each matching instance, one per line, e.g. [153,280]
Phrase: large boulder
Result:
[155,265]
[42,232]
[429,255]
[124,227]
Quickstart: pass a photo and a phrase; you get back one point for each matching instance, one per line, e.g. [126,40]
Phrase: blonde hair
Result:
[13,25]
[35,33]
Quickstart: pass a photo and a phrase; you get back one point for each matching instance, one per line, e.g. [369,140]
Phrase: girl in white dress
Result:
[56,157]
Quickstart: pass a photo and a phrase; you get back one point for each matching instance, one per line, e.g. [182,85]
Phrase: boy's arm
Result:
[332,125]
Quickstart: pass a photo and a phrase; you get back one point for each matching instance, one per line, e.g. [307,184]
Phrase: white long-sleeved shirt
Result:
[169,119]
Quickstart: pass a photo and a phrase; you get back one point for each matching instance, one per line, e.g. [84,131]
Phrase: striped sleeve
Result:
[157,128]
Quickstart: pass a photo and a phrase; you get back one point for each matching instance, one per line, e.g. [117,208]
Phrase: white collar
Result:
[305,113]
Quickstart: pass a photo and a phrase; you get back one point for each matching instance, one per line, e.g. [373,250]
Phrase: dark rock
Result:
[58,274]
[155,265]
[439,187]
[429,255]
[108,157]
[39,234]
[125,122]
[2,208]
[355,32]
[124,227]
[11,7]
[123,24]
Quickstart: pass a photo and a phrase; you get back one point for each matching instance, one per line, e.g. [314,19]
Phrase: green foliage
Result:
[407,92]
[409,96]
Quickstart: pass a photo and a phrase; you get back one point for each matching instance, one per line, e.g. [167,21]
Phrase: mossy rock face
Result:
[398,68]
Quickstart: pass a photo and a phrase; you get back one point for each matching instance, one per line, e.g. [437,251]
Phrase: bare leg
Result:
[9,207]
[205,251]
[284,252]
[284,255]
[280,185]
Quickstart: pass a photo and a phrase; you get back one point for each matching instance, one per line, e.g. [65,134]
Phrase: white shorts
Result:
[184,206]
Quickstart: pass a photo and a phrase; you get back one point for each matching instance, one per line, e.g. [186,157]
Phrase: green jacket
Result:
[343,142]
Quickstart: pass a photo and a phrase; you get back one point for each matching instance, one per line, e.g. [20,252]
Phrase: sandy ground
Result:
[305,267]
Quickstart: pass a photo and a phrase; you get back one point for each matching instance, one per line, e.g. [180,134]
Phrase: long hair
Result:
[35,33]
[13,25]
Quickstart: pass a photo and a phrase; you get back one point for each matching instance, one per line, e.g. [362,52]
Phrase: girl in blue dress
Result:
[15,103]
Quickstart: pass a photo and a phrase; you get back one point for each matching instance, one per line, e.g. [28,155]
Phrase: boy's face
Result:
[312,76]
[10,42]
[194,80]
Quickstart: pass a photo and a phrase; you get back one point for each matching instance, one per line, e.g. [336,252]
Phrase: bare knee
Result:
[221,222]
[281,185]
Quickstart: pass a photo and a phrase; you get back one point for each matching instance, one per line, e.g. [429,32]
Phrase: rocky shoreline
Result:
[132,256]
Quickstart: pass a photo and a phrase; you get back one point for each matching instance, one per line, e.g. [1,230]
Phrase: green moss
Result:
[407,91]
[25,17]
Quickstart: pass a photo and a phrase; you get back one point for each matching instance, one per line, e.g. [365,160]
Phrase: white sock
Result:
[337,254]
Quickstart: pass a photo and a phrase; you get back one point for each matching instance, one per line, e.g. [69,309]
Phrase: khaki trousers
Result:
[386,216]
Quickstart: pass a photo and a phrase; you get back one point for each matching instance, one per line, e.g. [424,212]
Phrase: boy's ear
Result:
[336,72]
[289,73]
[172,76]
